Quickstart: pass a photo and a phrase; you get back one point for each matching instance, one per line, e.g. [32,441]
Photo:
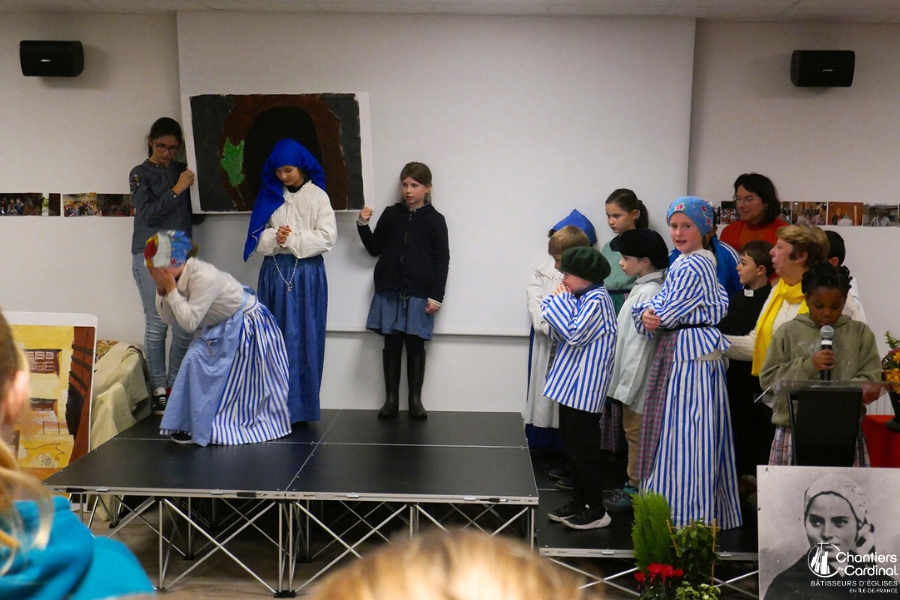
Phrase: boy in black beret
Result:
[583,324]
[645,256]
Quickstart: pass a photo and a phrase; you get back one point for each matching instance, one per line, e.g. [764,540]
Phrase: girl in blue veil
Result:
[292,226]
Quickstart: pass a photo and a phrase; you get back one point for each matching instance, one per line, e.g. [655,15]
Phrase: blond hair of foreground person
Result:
[454,565]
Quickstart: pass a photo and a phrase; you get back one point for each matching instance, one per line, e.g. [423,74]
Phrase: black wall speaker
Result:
[822,68]
[51,59]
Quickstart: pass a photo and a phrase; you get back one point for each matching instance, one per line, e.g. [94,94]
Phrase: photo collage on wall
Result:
[43,204]
[843,214]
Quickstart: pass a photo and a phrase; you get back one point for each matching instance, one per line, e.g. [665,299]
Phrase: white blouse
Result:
[203,296]
[309,214]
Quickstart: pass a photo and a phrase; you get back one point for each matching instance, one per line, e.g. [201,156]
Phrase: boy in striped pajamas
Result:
[583,324]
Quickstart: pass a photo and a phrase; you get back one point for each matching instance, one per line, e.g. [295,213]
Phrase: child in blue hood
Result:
[542,413]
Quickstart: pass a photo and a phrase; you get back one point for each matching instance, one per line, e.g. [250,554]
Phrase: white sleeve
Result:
[320,238]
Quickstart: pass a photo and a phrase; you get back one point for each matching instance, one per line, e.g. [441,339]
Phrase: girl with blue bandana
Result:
[686,449]
[292,226]
[233,384]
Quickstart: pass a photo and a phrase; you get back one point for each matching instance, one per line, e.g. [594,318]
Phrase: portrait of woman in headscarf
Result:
[842,560]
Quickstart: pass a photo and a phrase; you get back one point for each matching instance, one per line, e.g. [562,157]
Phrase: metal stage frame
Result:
[564,545]
[470,468]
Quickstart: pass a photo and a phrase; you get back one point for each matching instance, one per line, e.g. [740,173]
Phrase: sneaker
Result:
[565,484]
[562,513]
[620,500]
[180,437]
[588,518]
[158,403]
[560,473]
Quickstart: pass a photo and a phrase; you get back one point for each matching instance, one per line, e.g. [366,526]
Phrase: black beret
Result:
[642,243]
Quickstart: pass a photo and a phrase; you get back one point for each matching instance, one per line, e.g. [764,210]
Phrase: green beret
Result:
[585,262]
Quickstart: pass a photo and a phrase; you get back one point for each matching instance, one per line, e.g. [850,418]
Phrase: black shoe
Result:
[560,473]
[589,518]
[566,484]
[569,510]
[179,437]
[621,499]
[158,404]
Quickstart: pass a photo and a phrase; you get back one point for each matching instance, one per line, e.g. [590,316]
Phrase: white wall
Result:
[522,119]
[76,135]
[834,144]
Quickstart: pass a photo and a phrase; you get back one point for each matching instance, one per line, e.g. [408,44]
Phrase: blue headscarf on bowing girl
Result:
[271,193]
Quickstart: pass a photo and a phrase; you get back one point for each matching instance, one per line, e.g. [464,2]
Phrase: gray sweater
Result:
[790,354]
[156,207]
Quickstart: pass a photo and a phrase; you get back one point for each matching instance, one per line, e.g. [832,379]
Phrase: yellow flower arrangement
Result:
[890,364]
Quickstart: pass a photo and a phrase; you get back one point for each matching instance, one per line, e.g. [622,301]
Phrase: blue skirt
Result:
[393,311]
[233,384]
[300,311]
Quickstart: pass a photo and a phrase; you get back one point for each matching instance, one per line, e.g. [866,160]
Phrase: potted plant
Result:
[672,562]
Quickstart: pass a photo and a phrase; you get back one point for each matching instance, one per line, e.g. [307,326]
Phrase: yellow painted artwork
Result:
[45,444]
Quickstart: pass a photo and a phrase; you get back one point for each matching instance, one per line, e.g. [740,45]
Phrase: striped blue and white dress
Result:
[694,464]
[584,329]
[233,384]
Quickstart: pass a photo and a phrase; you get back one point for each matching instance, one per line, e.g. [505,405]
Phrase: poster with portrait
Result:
[827,532]
[228,138]
[54,429]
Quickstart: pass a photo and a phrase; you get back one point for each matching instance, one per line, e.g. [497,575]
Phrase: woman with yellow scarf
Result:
[797,248]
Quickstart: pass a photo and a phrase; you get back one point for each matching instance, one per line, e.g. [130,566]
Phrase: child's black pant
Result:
[580,433]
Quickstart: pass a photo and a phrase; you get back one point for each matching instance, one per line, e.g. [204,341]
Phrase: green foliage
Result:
[650,532]
[704,591]
[233,162]
[695,551]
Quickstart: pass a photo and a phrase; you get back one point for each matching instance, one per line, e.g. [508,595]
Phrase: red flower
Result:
[679,573]
[639,575]
[654,569]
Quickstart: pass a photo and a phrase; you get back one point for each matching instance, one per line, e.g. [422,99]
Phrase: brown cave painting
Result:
[234,135]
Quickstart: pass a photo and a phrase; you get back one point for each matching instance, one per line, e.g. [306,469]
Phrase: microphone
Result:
[827,333]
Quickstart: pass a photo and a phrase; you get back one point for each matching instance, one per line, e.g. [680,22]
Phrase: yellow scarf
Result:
[782,292]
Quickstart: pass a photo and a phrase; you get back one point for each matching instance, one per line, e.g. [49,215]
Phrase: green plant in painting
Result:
[650,532]
[233,162]
[695,549]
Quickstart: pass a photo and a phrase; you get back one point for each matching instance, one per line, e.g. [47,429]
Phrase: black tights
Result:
[394,343]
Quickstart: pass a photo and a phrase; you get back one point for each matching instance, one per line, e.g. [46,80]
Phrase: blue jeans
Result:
[155,331]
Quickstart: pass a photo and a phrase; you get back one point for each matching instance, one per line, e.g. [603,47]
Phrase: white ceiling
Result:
[766,11]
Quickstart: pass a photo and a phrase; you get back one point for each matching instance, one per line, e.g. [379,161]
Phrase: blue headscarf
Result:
[271,193]
[581,222]
[696,209]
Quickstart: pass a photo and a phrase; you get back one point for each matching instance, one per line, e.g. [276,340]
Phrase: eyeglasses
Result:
[745,200]
[162,148]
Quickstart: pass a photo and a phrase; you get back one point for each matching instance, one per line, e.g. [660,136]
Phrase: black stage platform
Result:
[562,543]
[349,457]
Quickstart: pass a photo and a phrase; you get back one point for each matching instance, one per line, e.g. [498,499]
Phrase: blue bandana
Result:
[271,193]
[696,209]
[581,222]
[167,249]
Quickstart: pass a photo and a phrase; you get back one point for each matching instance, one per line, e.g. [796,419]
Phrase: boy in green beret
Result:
[583,324]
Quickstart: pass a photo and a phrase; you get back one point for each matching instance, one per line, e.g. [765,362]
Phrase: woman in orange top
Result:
[759,208]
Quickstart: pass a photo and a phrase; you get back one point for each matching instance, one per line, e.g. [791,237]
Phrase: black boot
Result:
[415,376]
[391,405]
